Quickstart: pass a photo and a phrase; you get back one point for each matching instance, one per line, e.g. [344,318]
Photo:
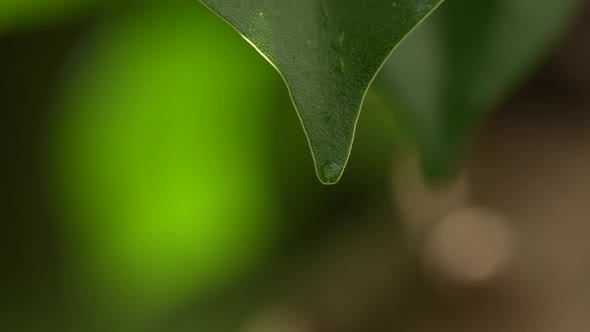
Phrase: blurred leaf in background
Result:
[27,13]
[163,160]
[462,62]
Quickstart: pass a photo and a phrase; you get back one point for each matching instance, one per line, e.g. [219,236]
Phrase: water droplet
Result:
[325,17]
[339,42]
[330,172]
[340,65]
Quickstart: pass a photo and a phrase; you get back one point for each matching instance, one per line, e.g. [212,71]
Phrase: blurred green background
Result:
[155,174]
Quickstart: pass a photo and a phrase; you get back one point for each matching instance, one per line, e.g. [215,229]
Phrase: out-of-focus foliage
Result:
[163,155]
[328,52]
[462,62]
[17,13]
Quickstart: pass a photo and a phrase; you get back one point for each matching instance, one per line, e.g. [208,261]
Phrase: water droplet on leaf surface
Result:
[325,17]
[339,42]
[330,172]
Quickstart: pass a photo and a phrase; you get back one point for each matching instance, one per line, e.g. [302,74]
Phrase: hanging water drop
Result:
[330,172]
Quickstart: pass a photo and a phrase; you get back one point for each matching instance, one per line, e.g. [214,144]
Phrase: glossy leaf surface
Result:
[328,52]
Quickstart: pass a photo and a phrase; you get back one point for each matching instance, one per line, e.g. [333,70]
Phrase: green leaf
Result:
[464,61]
[328,53]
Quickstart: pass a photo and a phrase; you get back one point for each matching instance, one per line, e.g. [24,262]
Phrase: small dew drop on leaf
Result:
[325,17]
[339,42]
[330,172]
[340,66]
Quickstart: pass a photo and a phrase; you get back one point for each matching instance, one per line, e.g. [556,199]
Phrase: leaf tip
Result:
[329,172]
